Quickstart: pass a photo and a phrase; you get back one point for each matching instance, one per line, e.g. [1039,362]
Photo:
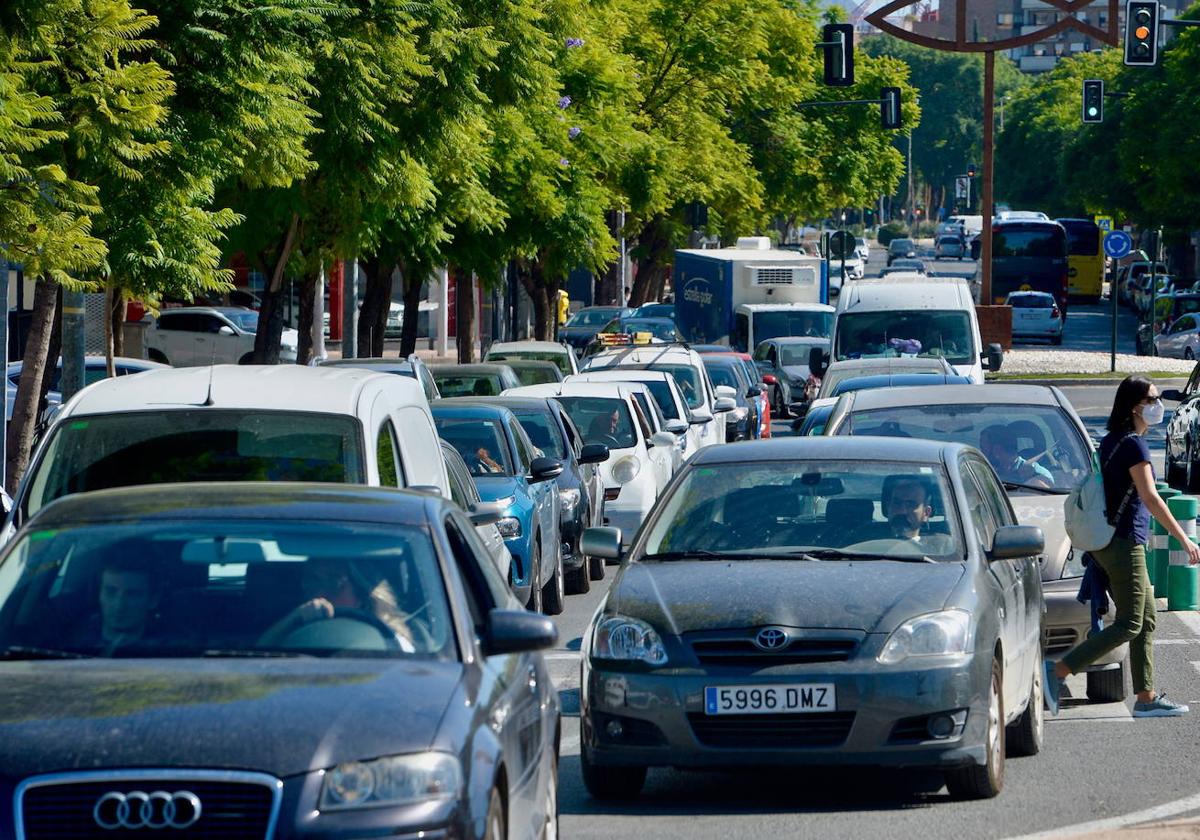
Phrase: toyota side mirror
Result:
[700,416]
[676,426]
[593,453]
[226,330]
[994,357]
[724,404]
[818,361]
[544,469]
[1012,542]
[723,391]
[517,631]
[662,439]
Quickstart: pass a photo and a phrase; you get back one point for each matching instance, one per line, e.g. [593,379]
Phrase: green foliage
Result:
[890,231]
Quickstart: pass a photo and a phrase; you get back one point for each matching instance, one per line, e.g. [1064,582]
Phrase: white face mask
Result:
[1153,413]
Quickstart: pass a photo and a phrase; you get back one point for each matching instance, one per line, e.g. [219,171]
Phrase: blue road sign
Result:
[1118,244]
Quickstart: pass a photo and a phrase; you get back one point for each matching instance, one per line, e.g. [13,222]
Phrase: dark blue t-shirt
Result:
[1119,451]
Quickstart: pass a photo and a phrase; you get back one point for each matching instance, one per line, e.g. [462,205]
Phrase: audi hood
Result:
[280,716]
[678,597]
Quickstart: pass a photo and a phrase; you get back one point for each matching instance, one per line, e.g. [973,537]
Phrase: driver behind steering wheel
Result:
[908,509]
[329,584]
[605,427]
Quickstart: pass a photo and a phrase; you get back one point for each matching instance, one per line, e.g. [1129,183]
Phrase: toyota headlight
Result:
[509,527]
[937,634]
[627,639]
[394,780]
[626,469]
[568,499]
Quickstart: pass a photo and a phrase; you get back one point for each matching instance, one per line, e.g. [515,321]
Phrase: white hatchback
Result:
[1035,315]
[210,335]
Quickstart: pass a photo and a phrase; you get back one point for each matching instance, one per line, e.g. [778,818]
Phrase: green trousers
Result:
[1125,563]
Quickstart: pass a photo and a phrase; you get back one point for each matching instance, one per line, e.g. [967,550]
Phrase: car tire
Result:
[156,356]
[553,594]
[495,825]
[1111,686]
[596,568]
[984,781]
[535,576]
[247,359]
[1191,470]
[1025,737]
[1188,355]
[1175,473]
[579,581]
[1056,340]
[609,783]
[782,409]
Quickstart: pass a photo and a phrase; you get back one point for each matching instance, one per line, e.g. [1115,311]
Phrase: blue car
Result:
[506,468]
[655,310]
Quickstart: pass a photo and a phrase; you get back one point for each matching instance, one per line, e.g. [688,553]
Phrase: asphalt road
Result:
[1098,763]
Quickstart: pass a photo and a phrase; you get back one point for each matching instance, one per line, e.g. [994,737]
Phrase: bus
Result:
[1029,255]
[1085,259]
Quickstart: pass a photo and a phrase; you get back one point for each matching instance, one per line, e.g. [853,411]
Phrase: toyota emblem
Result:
[138,809]
[771,638]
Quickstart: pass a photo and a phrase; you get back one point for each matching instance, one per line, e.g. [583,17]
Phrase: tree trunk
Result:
[464,315]
[33,370]
[533,279]
[373,314]
[309,289]
[118,313]
[411,278]
[653,244]
[270,315]
[110,369]
[55,350]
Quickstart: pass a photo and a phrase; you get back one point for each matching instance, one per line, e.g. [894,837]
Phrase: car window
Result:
[209,323]
[1187,322]
[542,432]
[479,597]
[390,470]
[993,493]
[1193,382]
[574,440]
[525,449]
[212,587]
[183,322]
[427,384]
[603,420]
[977,513]
[462,489]
[480,442]
[689,381]
[642,411]
[187,445]
[468,385]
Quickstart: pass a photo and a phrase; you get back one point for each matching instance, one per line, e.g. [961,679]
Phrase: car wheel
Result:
[156,356]
[986,780]
[1111,686]
[580,580]
[611,782]
[781,408]
[1191,470]
[535,577]
[247,359]
[495,827]
[1188,355]
[554,593]
[1026,735]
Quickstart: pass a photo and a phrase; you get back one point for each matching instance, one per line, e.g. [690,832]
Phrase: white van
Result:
[912,315]
[238,423]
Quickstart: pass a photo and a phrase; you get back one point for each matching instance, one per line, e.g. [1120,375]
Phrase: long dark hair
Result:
[1130,393]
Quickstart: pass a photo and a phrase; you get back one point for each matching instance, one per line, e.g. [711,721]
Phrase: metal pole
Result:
[910,178]
[4,358]
[350,309]
[1112,297]
[73,318]
[989,90]
[1154,291]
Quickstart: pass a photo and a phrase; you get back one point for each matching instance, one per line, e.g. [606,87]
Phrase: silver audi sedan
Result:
[819,601]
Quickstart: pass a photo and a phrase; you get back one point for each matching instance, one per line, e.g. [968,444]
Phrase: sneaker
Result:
[1160,706]
[1051,686]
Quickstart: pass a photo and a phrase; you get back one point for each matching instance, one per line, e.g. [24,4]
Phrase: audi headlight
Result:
[394,780]
[626,470]
[937,634]
[509,527]
[568,499]
[627,639]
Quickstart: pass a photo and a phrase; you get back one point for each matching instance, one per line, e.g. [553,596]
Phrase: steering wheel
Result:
[611,441]
[390,639]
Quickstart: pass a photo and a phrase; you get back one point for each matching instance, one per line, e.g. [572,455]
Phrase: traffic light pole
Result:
[1112,298]
[985,199]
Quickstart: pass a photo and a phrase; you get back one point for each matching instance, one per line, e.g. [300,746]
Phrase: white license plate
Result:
[769,699]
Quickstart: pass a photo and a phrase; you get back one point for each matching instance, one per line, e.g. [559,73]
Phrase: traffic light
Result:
[889,107]
[1093,100]
[838,41]
[1141,32]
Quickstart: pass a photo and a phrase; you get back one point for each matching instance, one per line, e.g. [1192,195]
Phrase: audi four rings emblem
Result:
[770,638]
[138,809]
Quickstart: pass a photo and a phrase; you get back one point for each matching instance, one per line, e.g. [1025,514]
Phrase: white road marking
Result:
[1149,815]
[1191,619]
[1177,641]
[551,657]
[1076,689]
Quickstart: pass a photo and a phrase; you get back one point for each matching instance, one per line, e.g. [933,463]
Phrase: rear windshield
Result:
[559,359]
[1031,301]
[468,385]
[157,447]
[1043,241]
[1083,238]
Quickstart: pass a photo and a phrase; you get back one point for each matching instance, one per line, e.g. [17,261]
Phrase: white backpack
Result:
[1084,516]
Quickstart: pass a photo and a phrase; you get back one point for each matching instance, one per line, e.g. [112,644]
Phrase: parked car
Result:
[483,515]
[784,366]
[582,327]
[901,249]
[507,468]
[229,422]
[481,380]
[1183,435]
[639,464]
[725,370]
[411,720]
[951,246]
[534,351]
[535,373]
[580,485]
[1170,309]
[862,248]
[95,368]
[915,540]
[1130,276]
[413,367]
[1040,450]
[210,335]
[1035,315]
[655,310]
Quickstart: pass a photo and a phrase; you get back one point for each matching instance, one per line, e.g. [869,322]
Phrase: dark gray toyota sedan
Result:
[819,601]
[268,661]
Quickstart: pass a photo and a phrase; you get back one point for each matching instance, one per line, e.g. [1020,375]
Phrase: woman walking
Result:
[1130,500]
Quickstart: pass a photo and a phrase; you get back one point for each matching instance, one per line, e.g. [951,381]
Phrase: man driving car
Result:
[999,445]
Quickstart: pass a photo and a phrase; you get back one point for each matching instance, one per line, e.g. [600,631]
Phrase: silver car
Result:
[1041,451]
[819,601]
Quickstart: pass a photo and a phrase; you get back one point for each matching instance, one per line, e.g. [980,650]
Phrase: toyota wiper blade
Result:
[696,554]
[841,554]
[1016,485]
[262,653]
[15,653]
